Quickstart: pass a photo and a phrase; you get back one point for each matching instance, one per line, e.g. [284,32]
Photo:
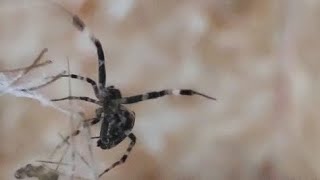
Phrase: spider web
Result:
[10,84]
[18,82]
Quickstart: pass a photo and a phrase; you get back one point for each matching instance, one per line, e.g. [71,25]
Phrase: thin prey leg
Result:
[124,157]
[157,94]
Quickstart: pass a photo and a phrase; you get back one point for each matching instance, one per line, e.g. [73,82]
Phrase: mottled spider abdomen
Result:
[115,128]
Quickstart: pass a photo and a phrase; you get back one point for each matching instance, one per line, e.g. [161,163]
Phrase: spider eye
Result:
[114,93]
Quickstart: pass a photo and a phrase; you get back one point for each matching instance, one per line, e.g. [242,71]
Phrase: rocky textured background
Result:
[258,58]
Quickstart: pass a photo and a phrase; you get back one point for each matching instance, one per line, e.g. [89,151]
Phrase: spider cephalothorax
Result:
[111,93]
[117,120]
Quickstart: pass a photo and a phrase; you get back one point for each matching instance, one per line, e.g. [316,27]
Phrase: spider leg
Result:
[85,79]
[61,75]
[82,98]
[92,122]
[124,157]
[156,94]
[52,79]
[79,24]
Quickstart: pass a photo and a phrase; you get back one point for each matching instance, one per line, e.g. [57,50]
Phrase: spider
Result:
[117,120]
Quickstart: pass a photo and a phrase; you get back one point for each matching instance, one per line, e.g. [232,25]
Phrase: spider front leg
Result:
[124,157]
[156,94]
[73,76]
[82,98]
[79,24]
[85,79]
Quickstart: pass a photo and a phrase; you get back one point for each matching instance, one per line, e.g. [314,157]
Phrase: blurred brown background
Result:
[258,58]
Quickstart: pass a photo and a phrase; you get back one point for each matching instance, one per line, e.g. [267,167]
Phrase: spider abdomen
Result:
[115,128]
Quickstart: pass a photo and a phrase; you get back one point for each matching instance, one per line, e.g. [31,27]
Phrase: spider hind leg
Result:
[124,156]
